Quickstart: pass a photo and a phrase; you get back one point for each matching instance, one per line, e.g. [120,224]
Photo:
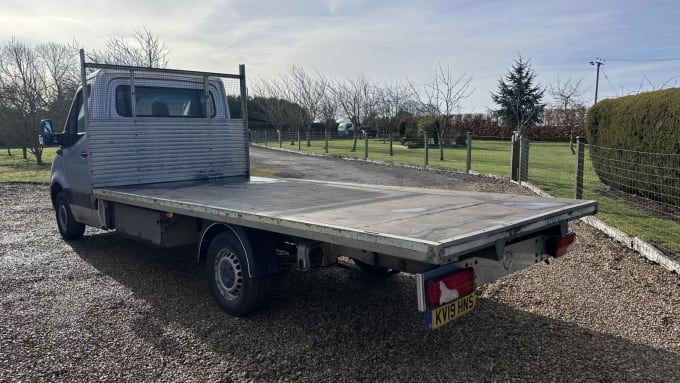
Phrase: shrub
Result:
[635,144]
[486,128]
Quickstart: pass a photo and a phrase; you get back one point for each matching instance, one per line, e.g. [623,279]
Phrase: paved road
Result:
[293,165]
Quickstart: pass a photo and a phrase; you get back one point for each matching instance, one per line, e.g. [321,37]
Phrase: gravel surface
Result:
[108,309]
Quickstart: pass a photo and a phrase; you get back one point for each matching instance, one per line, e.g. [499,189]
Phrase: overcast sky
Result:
[384,40]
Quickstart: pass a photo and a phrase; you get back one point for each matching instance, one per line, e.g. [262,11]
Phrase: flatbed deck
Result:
[425,225]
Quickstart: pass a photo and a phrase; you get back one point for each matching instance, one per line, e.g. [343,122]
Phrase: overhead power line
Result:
[610,83]
[647,59]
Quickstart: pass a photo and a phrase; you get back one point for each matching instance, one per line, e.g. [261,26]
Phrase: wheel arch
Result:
[258,262]
[55,189]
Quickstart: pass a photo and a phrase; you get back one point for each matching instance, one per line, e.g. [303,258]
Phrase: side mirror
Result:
[46,137]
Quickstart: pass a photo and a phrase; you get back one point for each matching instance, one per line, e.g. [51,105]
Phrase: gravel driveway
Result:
[108,309]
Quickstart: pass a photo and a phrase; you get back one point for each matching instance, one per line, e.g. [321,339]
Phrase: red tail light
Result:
[450,287]
[563,245]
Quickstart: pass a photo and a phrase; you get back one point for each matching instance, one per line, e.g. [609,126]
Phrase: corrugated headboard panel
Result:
[125,152]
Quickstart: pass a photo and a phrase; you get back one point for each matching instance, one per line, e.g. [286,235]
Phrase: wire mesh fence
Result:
[638,192]
[482,154]
[552,167]
[650,179]
[158,93]
[490,155]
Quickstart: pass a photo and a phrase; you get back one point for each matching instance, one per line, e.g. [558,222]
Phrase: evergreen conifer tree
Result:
[519,100]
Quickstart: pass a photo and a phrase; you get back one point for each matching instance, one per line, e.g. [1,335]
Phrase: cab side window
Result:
[81,118]
[76,118]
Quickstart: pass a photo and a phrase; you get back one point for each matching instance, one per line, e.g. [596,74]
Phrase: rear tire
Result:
[235,292]
[69,228]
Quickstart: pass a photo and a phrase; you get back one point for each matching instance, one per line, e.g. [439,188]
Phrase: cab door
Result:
[75,151]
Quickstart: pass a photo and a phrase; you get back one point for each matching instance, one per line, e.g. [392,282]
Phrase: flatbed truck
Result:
[162,156]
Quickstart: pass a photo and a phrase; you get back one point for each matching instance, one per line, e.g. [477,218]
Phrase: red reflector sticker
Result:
[450,287]
[565,244]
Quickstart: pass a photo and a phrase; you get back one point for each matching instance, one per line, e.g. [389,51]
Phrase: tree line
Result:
[37,81]
[294,100]
[40,80]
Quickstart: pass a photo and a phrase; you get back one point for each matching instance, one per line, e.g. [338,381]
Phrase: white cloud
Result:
[386,40]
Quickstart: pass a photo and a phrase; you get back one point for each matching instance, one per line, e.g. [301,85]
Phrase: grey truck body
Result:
[178,174]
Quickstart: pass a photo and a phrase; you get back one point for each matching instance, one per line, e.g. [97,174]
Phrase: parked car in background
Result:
[369,131]
[345,129]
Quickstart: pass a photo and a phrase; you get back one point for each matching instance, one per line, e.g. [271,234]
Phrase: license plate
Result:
[448,312]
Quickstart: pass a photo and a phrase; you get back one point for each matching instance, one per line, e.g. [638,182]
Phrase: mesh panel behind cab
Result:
[147,126]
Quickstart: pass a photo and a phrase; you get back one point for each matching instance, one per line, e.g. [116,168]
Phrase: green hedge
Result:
[635,146]
[547,133]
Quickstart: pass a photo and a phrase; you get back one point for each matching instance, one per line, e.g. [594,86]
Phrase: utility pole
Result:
[598,62]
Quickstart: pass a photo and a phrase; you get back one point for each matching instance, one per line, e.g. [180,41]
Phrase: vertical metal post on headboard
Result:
[205,97]
[133,95]
[244,114]
[83,78]
[244,94]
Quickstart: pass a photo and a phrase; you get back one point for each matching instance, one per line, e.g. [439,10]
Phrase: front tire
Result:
[69,228]
[234,290]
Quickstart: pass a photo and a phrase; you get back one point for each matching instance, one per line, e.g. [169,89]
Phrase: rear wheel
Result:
[69,228]
[234,290]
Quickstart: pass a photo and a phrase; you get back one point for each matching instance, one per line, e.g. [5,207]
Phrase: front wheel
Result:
[69,228]
[234,290]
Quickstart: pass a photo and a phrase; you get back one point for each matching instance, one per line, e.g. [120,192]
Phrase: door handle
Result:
[83,154]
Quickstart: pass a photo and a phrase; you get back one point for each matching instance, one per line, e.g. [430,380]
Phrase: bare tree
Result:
[308,92]
[296,114]
[357,99]
[144,49]
[272,104]
[440,98]
[394,101]
[328,108]
[266,97]
[22,84]
[154,49]
[568,105]
[62,77]
[41,80]
[8,129]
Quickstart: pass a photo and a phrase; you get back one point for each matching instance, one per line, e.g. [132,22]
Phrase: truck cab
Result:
[159,100]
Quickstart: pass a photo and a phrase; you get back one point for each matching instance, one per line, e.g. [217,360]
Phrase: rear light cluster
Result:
[561,246]
[450,287]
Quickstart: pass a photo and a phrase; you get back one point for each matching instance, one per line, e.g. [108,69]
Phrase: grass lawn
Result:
[17,169]
[488,157]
